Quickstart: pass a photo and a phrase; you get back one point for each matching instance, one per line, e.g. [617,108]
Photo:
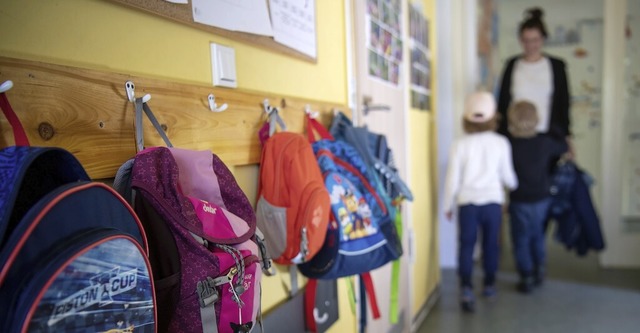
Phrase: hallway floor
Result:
[578,296]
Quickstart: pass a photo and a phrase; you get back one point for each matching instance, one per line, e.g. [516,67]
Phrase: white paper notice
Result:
[250,16]
[178,1]
[294,24]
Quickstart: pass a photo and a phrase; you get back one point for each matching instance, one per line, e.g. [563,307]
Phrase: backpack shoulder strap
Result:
[367,289]
[314,126]
[309,304]
[18,131]
[141,105]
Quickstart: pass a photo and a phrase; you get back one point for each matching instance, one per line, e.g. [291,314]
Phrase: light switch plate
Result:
[223,66]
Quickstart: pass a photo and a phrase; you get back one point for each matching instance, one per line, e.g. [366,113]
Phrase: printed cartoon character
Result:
[359,230]
[351,203]
[345,222]
[349,200]
[365,212]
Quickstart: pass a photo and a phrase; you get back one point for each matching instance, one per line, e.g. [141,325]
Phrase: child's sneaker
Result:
[467,300]
[525,285]
[538,277]
[490,292]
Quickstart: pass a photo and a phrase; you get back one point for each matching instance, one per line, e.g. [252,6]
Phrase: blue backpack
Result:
[375,153]
[73,253]
[361,235]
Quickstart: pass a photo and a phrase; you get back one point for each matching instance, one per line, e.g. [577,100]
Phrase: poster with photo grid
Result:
[384,40]
[420,61]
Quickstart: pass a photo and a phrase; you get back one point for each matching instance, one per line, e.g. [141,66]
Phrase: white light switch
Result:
[223,66]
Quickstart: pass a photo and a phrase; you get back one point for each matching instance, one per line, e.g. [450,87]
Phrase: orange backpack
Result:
[293,206]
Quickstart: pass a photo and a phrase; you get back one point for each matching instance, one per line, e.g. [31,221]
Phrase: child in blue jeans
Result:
[533,153]
[480,166]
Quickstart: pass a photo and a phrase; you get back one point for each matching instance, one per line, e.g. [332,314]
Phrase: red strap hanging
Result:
[314,125]
[371,293]
[18,132]
[310,304]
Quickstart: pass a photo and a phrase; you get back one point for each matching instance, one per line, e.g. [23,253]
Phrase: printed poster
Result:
[420,70]
[384,41]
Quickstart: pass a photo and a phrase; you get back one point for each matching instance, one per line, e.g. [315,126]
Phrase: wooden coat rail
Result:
[87,112]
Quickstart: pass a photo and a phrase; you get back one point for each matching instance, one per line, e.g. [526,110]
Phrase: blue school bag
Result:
[73,253]
[375,153]
[361,235]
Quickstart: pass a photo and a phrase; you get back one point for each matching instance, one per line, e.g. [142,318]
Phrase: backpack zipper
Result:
[208,295]
[307,217]
[304,243]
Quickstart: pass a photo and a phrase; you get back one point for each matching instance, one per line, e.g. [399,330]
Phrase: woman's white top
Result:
[533,82]
[480,166]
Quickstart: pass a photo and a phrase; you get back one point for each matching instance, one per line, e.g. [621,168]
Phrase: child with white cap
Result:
[480,166]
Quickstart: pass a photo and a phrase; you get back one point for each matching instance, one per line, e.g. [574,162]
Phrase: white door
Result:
[381,99]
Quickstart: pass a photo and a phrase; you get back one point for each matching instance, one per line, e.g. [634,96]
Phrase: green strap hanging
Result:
[395,275]
[352,296]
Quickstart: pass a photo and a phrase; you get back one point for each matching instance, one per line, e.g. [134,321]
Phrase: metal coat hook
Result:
[311,113]
[213,106]
[130,88]
[6,86]
[273,117]
[267,107]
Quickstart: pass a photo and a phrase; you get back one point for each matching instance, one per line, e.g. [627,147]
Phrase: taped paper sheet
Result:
[294,24]
[250,16]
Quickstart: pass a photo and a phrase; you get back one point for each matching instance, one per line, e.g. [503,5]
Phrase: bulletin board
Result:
[182,13]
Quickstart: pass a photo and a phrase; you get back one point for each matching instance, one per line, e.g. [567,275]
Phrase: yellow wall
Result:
[426,268]
[103,35]
[99,34]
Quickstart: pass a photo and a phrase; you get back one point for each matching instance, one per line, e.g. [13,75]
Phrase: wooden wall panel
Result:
[91,117]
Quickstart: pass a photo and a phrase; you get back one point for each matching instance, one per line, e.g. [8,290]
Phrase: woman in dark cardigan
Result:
[538,78]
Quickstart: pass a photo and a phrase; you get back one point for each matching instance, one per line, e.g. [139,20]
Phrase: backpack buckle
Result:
[207,293]
[267,265]
[304,248]
[304,244]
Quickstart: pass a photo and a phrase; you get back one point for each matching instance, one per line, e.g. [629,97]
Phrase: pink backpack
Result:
[193,194]
[204,252]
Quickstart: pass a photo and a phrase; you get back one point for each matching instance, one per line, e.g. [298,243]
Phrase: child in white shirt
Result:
[480,166]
